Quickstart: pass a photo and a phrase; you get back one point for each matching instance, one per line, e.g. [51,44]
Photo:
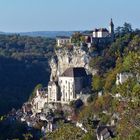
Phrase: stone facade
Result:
[122,77]
[39,100]
[71,83]
[53,92]
[103,32]
[100,37]
[100,33]
[63,40]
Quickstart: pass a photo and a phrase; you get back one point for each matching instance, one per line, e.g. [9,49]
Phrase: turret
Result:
[111,29]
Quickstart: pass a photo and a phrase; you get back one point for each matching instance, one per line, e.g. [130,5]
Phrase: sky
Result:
[66,15]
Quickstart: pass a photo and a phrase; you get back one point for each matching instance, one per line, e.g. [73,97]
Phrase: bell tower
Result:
[111,29]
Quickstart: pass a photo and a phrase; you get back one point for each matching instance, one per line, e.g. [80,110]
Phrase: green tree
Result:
[132,62]
[66,132]
[125,29]
[89,136]
[110,80]
[39,86]
[97,83]
[77,38]
[91,98]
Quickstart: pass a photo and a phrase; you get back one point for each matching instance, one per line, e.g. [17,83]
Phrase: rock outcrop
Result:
[66,58]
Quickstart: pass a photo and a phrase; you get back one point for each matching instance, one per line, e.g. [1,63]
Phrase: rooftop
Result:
[75,72]
[52,83]
[106,131]
[63,37]
[101,29]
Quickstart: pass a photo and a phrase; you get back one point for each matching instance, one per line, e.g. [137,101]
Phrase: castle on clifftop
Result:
[101,36]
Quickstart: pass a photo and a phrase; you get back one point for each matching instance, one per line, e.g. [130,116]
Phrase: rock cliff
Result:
[66,58]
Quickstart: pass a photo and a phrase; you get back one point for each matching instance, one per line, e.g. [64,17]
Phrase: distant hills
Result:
[50,34]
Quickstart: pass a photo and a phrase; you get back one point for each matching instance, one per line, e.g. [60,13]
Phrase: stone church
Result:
[71,83]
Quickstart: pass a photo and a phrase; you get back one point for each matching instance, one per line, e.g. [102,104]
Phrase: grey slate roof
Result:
[52,82]
[106,131]
[100,29]
[63,37]
[75,72]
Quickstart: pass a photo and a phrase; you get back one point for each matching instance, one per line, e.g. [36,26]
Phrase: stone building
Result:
[100,33]
[53,91]
[103,32]
[39,100]
[103,36]
[70,84]
[100,37]
[63,40]
[96,36]
[105,132]
[122,77]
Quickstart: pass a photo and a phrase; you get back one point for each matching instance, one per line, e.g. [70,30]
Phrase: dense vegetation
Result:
[23,64]
[69,132]
[18,131]
[123,55]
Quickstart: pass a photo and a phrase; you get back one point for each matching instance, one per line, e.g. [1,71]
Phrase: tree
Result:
[136,94]
[89,136]
[39,86]
[66,132]
[76,104]
[28,136]
[118,31]
[127,28]
[132,62]
[97,83]
[110,80]
[77,38]
[135,43]
[91,98]
[126,88]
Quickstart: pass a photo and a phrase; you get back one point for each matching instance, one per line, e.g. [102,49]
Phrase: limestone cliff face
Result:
[65,58]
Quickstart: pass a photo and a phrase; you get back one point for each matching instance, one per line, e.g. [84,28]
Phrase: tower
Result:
[111,29]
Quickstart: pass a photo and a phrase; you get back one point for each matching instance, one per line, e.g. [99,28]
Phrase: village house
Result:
[100,33]
[63,40]
[105,132]
[39,100]
[122,77]
[53,91]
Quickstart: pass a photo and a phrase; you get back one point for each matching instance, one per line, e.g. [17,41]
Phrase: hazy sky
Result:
[52,15]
